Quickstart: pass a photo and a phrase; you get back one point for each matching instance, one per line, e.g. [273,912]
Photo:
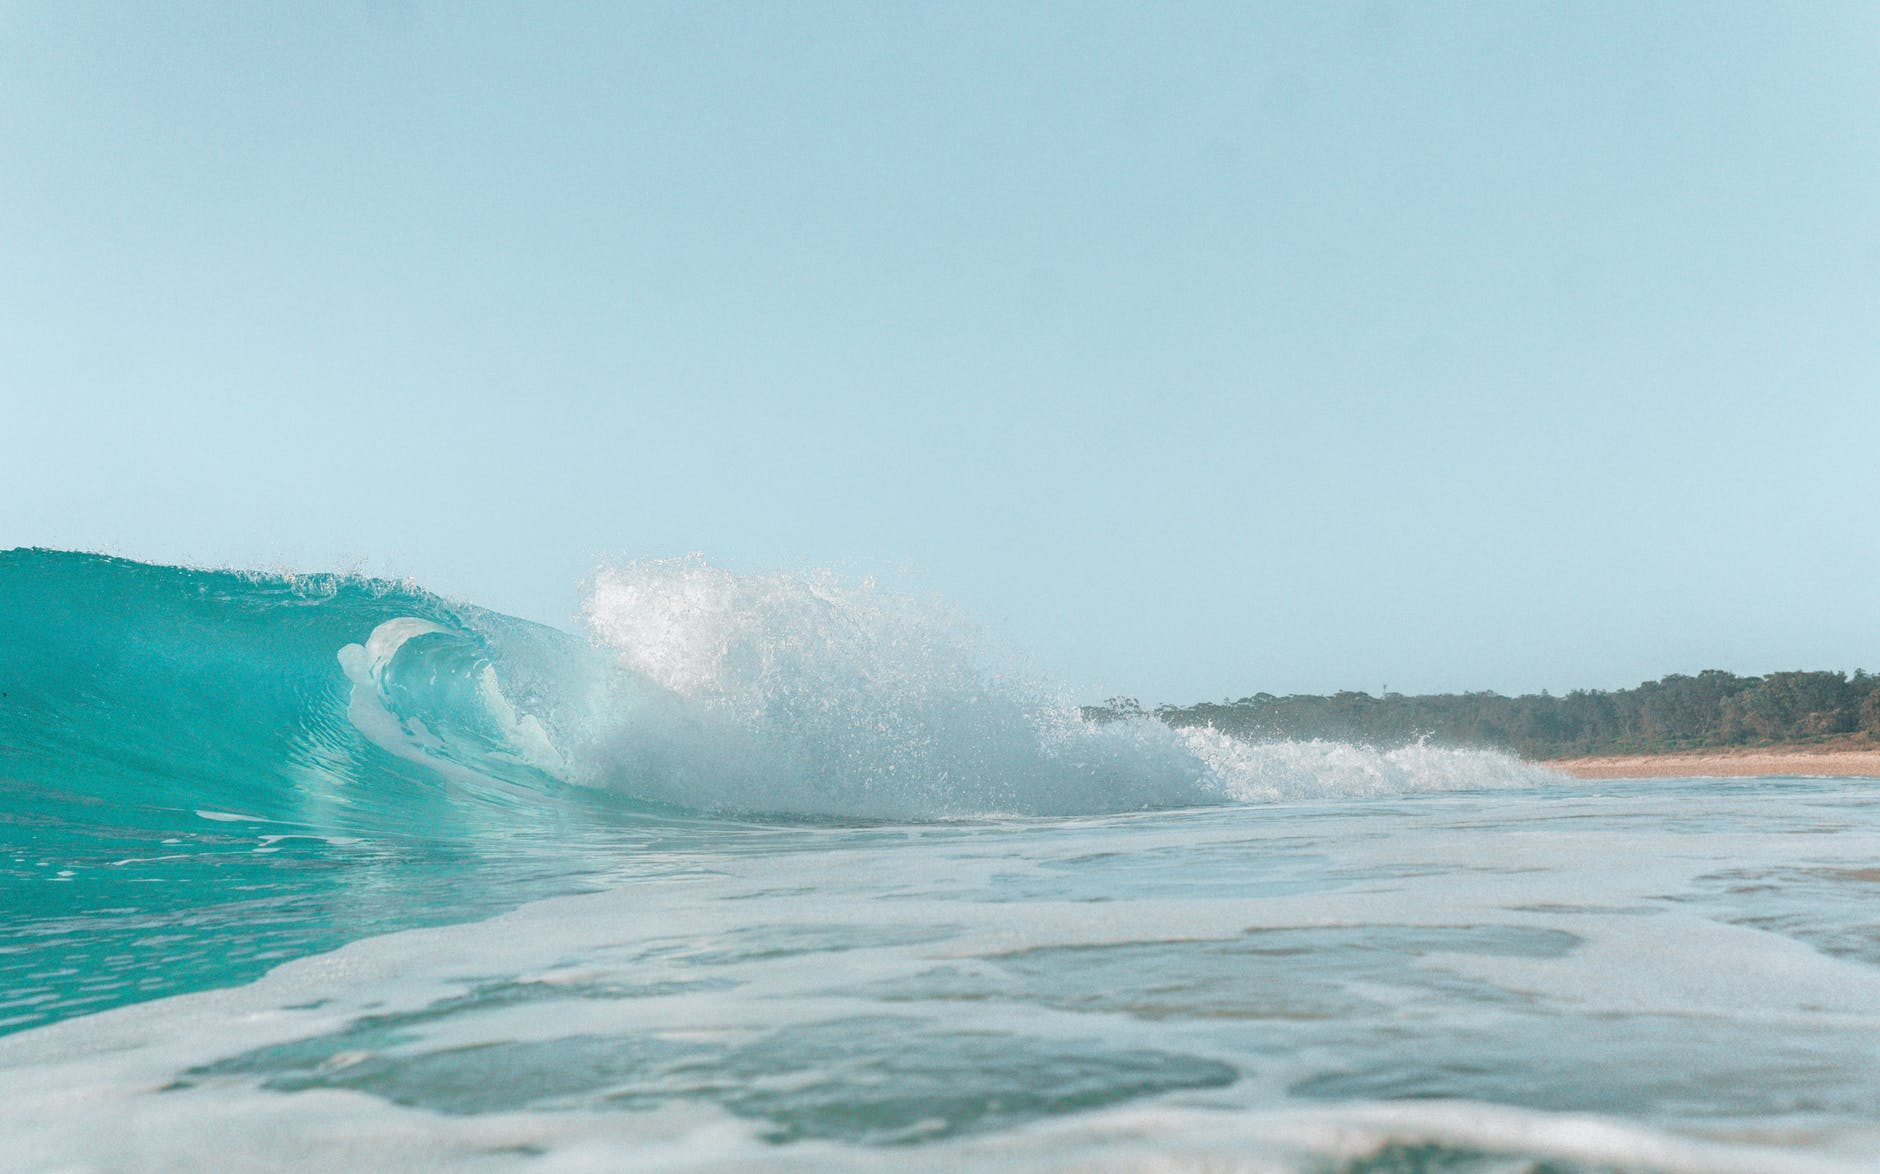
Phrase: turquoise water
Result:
[183,803]
[777,871]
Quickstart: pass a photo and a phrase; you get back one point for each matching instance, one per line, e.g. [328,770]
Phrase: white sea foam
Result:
[1570,959]
[1317,769]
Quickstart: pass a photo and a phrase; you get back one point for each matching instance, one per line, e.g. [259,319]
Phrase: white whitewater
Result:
[785,694]
[1638,977]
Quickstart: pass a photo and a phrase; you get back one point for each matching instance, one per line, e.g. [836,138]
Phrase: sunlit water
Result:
[285,886]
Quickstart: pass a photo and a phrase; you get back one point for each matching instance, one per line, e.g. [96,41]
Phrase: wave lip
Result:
[430,694]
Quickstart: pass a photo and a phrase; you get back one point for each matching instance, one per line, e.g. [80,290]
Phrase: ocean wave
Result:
[350,702]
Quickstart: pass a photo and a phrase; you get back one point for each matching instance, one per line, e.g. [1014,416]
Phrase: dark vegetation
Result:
[1710,710]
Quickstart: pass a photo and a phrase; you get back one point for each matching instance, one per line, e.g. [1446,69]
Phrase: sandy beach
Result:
[1837,762]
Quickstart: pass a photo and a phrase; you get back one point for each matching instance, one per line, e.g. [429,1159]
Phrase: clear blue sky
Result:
[1196,349]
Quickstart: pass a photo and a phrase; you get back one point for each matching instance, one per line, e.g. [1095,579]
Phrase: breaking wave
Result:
[358,702]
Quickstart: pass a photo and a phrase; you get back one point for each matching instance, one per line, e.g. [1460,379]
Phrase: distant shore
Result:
[1835,761]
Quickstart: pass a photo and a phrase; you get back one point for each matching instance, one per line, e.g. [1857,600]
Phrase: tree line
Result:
[1678,712]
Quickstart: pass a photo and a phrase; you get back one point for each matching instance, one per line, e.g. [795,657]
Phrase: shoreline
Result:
[1831,762]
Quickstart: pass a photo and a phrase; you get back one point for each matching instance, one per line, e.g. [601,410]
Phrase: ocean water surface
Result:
[780,872]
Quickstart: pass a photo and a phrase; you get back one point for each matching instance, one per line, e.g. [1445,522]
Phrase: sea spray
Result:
[799,695]
[793,694]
